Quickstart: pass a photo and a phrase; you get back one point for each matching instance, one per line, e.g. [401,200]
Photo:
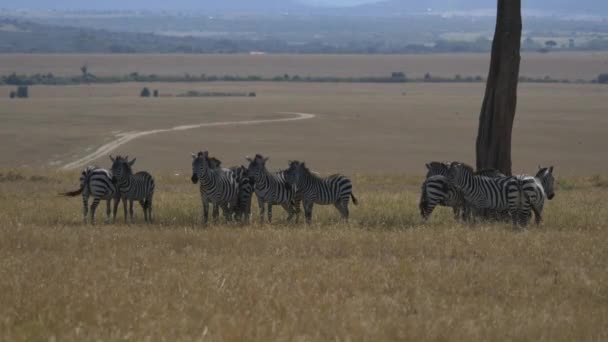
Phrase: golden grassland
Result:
[385,275]
[368,128]
[560,65]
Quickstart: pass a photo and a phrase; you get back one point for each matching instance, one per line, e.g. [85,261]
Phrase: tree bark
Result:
[500,101]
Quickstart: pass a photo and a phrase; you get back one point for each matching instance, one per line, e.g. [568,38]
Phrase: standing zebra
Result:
[133,187]
[501,193]
[311,189]
[537,189]
[217,186]
[97,183]
[243,207]
[271,189]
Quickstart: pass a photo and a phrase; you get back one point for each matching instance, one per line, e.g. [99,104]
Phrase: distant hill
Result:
[392,7]
[199,5]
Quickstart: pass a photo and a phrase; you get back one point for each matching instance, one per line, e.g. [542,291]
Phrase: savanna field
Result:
[384,275]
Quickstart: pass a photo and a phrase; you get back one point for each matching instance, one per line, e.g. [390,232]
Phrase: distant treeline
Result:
[28,37]
[395,77]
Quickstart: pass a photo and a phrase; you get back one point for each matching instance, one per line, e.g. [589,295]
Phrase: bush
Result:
[145,92]
[155,92]
[252,94]
[12,95]
[602,78]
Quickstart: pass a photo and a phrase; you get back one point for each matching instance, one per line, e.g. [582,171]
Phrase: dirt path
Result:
[127,137]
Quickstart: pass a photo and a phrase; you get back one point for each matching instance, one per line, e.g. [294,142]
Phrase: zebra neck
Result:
[206,177]
[262,179]
[124,182]
[308,181]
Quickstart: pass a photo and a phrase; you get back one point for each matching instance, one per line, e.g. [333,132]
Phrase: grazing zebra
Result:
[97,183]
[537,189]
[217,186]
[312,189]
[133,187]
[271,189]
[501,193]
[437,190]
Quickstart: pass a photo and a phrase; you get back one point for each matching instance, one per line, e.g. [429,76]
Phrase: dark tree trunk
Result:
[500,102]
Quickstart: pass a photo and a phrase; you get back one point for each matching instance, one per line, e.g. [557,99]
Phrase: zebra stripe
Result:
[217,186]
[97,183]
[133,187]
[312,189]
[501,193]
[271,189]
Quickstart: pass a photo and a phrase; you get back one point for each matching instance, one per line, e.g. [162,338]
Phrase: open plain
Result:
[384,275]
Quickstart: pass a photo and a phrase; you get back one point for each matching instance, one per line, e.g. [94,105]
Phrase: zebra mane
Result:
[214,162]
[467,167]
[489,173]
[542,172]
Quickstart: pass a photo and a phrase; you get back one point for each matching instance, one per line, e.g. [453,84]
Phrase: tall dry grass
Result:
[386,275]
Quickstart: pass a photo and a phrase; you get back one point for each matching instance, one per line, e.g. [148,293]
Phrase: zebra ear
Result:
[551,170]
[249,159]
[132,162]
[194,155]
[112,158]
[428,166]
[266,159]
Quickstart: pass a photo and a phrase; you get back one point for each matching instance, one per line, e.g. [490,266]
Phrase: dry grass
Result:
[562,125]
[384,276]
[568,65]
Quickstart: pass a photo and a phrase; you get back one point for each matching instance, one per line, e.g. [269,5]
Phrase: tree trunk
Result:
[500,102]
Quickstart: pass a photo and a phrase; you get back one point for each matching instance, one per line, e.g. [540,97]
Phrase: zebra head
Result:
[459,174]
[200,162]
[292,174]
[121,168]
[437,169]
[257,165]
[545,175]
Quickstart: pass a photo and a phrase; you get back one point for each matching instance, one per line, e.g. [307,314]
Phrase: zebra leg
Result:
[124,206]
[131,210]
[144,208]
[297,210]
[93,208]
[308,211]
[85,208]
[261,205]
[343,209]
[227,212]
[205,211]
[216,213]
[269,212]
[108,210]
[116,203]
[289,209]
[149,206]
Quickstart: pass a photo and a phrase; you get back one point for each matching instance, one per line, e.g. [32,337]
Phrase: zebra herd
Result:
[486,193]
[230,189]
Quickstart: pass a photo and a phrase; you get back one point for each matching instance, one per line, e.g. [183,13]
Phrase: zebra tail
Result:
[72,193]
[355,201]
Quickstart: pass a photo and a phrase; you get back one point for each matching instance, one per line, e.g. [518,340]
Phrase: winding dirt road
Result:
[127,137]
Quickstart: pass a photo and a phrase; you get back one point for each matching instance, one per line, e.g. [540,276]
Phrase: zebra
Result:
[537,189]
[217,186]
[133,187]
[97,183]
[437,190]
[246,189]
[271,189]
[312,189]
[501,193]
